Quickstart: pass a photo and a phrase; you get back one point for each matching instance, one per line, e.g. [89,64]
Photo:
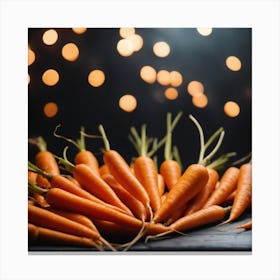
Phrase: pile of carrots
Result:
[111,205]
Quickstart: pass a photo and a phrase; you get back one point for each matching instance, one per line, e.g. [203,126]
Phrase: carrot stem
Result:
[213,137]
[35,189]
[220,162]
[104,137]
[176,155]
[32,167]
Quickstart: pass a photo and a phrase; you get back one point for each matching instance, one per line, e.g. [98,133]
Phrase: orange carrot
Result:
[170,168]
[127,198]
[246,226]
[188,185]
[84,156]
[229,200]
[161,185]
[103,169]
[41,234]
[48,219]
[201,217]
[32,176]
[122,173]
[67,201]
[199,200]
[45,160]
[243,194]
[227,185]
[40,199]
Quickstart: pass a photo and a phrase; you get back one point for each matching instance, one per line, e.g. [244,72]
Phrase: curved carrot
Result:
[49,236]
[122,172]
[229,200]
[227,185]
[188,185]
[126,197]
[199,200]
[83,156]
[245,226]
[48,219]
[103,169]
[243,194]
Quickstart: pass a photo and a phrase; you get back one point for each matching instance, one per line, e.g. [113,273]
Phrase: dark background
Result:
[195,56]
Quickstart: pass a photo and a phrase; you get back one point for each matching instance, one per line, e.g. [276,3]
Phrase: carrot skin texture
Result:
[146,172]
[46,161]
[123,174]
[227,185]
[94,184]
[171,172]
[127,198]
[64,200]
[199,218]
[103,169]
[88,158]
[42,234]
[161,185]
[199,200]
[245,226]
[188,185]
[44,218]
[243,194]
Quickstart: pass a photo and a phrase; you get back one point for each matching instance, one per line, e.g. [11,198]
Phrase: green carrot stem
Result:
[212,138]
[168,142]
[39,142]
[104,137]
[201,136]
[220,162]
[144,145]
[213,152]
[176,156]
[81,141]
[243,159]
[35,189]
[32,167]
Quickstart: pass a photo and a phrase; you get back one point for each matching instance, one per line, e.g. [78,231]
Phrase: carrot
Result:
[170,169]
[83,156]
[40,234]
[199,200]
[103,169]
[58,181]
[122,172]
[144,166]
[202,217]
[32,176]
[45,218]
[229,200]
[227,185]
[45,160]
[243,194]
[40,199]
[61,199]
[127,198]
[190,183]
[161,185]
[245,226]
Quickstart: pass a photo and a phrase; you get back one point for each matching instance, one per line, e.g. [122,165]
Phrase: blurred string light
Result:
[79,30]
[31,56]
[50,37]
[233,63]
[148,74]
[195,88]
[50,77]
[171,93]
[70,52]
[231,109]
[50,109]
[96,78]
[130,42]
[204,31]
[163,77]
[128,103]
[161,49]
[176,78]
[200,101]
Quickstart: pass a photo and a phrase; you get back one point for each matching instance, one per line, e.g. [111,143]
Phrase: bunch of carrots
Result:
[114,204]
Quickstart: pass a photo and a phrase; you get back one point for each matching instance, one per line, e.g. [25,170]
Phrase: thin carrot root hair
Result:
[172,230]
[108,244]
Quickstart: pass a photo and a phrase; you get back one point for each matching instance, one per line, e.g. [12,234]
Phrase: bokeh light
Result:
[128,103]
[231,109]
[176,79]
[28,79]
[137,42]
[31,56]
[50,77]
[70,52]
[163,77]
[50,109]
[79,30]
[161,49]
[125,32]
[171,93]
[50,37]
[233,63]
[96,78]
[204,31]
[200,100]
[125,47]
[195,88]
[148,74]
